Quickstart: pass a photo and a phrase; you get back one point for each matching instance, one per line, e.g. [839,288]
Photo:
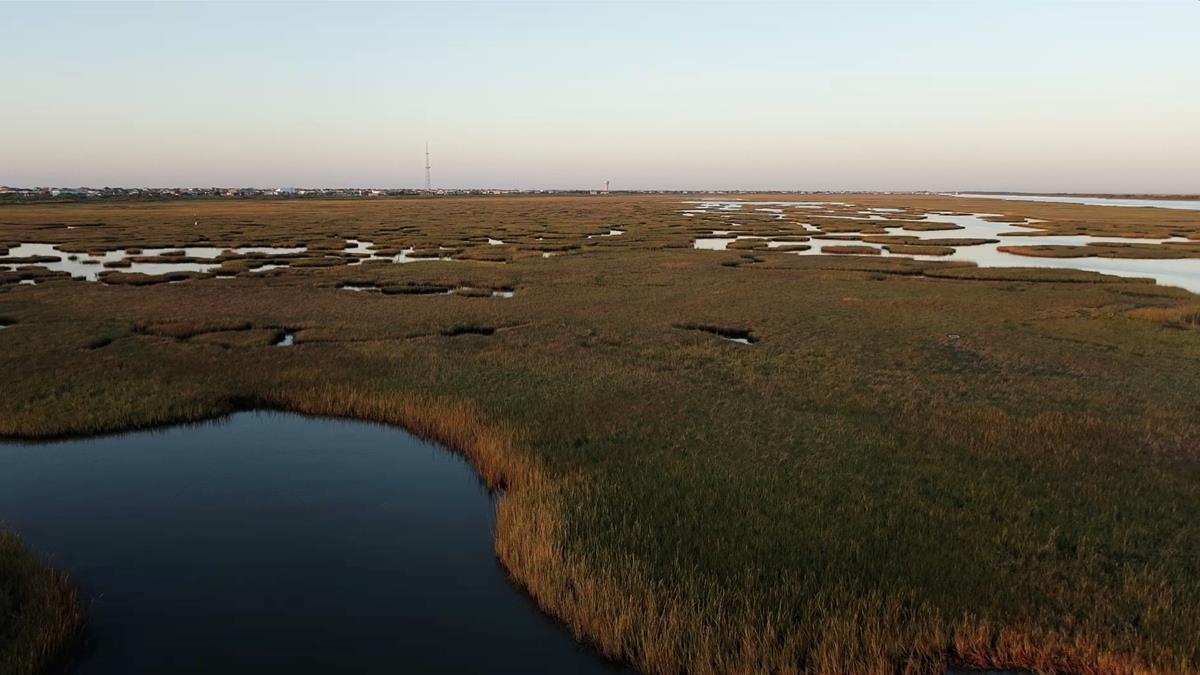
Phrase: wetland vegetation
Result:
[919,463]
[41,615]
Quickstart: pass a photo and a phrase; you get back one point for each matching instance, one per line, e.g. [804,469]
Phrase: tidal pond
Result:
[1185,204]
[1181,272]
[89,266]
[270,543]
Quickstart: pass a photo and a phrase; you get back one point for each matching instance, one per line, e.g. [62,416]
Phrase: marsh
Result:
[918,462]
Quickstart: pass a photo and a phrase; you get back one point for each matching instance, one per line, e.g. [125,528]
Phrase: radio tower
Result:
[428,180]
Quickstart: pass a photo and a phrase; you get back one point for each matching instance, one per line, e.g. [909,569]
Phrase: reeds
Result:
[40,612]
[1187,316]
[491,446]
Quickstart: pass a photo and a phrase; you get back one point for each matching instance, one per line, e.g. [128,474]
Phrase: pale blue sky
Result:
[1020,95]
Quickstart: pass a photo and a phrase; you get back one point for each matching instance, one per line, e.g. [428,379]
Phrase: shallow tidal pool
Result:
[1181,272]
[272,542]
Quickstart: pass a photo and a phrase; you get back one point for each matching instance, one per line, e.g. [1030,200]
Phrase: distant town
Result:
[10,194]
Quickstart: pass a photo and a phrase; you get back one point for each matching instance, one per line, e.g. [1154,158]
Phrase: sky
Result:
[956,95]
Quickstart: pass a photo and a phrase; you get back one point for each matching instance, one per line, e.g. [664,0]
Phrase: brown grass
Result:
[917,249]
[492,446]
[851,250]
[1034,274]
[40,612]
[1187,316]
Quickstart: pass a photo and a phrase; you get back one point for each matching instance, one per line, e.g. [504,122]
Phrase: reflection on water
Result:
[274,543]
[191,258]
[1185,204]
[1181,272]
[365,250]
[89,267]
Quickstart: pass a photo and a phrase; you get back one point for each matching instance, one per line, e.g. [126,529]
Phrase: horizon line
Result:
[288,188]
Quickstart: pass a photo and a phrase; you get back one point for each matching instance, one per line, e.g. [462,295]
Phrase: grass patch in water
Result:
[1034,274]
[30,259]
[137,279]
[932,226]
[840,249]
[1107,250]
[915,249]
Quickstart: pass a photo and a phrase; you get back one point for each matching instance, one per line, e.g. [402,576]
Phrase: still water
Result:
[270,542]
[1186,204]
[1182,272]
[89,266]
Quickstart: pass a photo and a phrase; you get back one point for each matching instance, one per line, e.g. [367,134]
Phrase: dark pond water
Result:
[272,543]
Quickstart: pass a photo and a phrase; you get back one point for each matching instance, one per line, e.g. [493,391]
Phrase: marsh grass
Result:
[851,250]
[183,330]
[858,493]
[1187,316]
[703,628]
[1032,274]
[30,259]
[415,289]
[720,331]
[136,279]
[932,226]
[469,329]
[914,249]
[40,613]
[99,343]
[492,447]
[1106,250]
